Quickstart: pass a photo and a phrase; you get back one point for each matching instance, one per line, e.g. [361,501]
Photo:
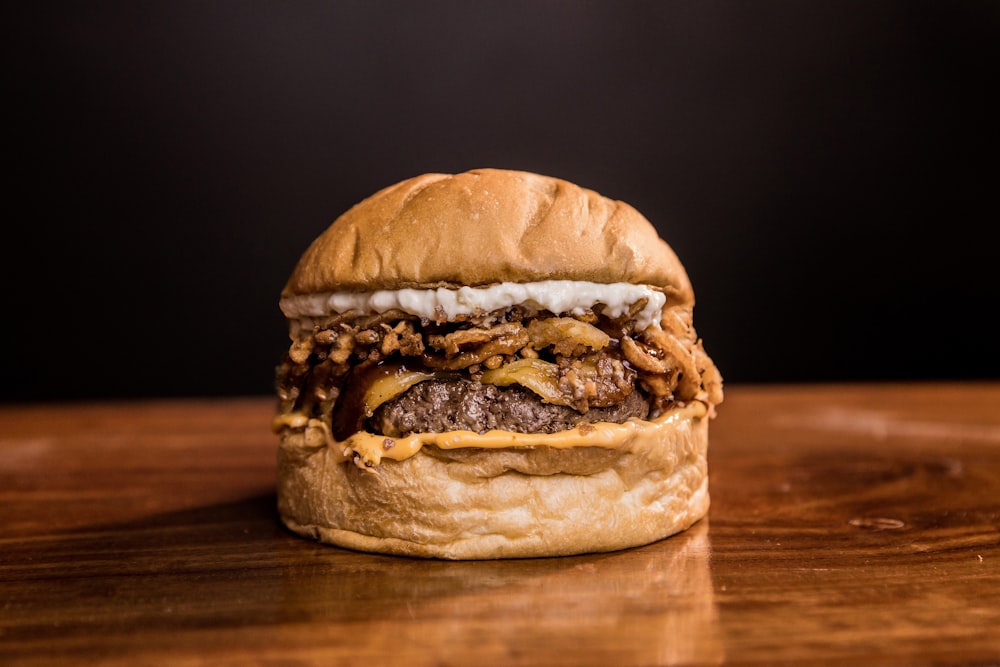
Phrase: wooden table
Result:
[855,524]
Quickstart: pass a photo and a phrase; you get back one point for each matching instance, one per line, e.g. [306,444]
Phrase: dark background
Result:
[827,171]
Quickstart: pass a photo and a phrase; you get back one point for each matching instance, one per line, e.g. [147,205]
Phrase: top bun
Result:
[483,227]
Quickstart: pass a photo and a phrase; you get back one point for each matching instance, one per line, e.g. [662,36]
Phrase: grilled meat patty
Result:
[438,406]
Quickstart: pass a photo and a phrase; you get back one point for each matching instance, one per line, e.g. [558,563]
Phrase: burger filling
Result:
[520,368]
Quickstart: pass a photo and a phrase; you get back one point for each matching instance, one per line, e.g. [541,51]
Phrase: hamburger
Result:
[492,364]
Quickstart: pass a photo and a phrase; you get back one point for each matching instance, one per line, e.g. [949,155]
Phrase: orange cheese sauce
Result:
[369,449]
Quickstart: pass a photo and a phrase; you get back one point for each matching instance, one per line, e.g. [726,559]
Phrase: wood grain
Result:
[851,524]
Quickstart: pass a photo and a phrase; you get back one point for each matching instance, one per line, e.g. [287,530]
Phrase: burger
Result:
[491,364]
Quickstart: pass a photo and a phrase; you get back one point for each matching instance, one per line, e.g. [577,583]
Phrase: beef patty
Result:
[437,406]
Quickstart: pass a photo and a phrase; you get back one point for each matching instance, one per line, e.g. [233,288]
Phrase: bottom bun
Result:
[515,502]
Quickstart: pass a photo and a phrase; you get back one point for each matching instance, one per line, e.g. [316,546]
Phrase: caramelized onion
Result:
[565,335]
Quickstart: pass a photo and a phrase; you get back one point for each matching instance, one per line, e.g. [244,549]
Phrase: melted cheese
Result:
[367,450]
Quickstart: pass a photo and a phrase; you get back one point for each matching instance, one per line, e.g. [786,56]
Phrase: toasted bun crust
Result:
[487,226]
[502,503]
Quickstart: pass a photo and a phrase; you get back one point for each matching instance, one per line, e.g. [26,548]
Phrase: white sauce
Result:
[562,297]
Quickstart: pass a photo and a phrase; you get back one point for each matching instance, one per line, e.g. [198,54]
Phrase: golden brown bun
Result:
[502,503]
[487,226]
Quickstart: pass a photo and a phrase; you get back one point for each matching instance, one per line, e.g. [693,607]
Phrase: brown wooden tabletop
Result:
[852,524]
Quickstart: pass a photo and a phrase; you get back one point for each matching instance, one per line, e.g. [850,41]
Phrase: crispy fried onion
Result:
[694,373]
[453,343]
[503,339]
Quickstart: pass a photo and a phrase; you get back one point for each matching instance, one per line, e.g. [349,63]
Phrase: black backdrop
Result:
[826,170]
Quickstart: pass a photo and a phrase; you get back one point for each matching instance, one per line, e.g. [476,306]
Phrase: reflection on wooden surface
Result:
[646,606]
